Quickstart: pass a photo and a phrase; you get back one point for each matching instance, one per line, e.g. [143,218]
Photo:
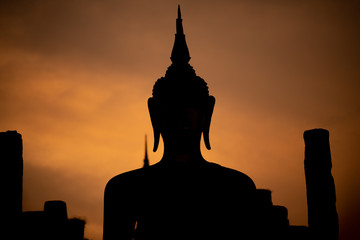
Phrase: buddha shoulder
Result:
[126,180]
[233,176]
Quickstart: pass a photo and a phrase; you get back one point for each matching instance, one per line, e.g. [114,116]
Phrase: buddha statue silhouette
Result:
[182,196]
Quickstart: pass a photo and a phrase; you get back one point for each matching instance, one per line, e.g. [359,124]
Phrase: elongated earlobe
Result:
[156,140]
[208,115]
[155,122]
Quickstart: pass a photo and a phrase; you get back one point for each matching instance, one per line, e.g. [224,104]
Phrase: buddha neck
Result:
[182,158]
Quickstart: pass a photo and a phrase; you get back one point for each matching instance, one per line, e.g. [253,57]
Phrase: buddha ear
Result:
[208,114]
[154,116]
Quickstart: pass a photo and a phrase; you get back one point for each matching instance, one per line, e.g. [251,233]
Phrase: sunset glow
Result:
[75,77]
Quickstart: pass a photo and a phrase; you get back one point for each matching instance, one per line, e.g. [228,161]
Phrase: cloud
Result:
[88,34]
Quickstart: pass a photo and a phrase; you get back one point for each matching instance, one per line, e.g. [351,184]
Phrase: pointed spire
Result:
[179,27]
[146,159]
[180,53]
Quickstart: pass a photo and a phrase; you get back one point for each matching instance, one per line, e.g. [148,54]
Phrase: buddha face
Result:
[181,124]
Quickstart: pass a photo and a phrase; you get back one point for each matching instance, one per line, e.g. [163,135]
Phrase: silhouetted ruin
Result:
[190,198]
[52,223]
[11,177]
[320,187]
[146,158]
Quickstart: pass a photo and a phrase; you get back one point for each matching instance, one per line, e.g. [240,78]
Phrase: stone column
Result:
[11,163]
[320,187]
[11,178]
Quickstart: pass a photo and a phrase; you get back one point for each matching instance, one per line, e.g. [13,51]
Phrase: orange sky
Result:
[75,77]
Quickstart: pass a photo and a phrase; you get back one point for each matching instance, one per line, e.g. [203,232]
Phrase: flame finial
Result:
[179,12]
[180,53]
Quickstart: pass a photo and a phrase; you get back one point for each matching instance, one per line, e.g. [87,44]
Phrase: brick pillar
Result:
[11,177]
[320,187]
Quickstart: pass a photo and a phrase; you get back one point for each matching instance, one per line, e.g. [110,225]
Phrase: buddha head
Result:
[180,107]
